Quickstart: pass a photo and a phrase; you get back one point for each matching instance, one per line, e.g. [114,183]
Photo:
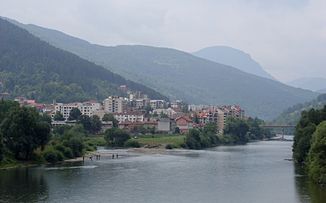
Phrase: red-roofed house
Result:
[184,123]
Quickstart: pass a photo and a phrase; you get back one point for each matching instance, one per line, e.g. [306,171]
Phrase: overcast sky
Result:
[287,37]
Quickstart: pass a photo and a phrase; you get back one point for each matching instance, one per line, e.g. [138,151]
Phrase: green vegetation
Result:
[110,117]
[202,138]
[304,131]
[310,144]
[132,143]
[25,137]
[291,116]
[317,155]
[116,137]
[32,68]
[238,131]
[162,139]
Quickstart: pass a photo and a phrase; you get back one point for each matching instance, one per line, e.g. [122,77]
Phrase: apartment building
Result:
[114,104]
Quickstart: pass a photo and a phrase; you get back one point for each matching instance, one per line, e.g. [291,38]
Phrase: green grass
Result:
[175,140]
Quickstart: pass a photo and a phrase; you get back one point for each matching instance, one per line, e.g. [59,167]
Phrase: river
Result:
[256,172]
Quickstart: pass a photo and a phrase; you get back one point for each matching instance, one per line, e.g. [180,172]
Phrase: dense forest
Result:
[309,147]
[32,68]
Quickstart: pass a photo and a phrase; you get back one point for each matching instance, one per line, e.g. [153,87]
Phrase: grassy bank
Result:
[161,139]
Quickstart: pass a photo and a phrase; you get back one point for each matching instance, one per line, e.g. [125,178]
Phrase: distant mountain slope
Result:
[310,83]
[33,68]
[233,57]
[322,91]
[180,75]
[292,115]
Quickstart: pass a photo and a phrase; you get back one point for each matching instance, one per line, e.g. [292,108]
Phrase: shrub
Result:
[169,146]
[132,143]
[68,153]
[52,155]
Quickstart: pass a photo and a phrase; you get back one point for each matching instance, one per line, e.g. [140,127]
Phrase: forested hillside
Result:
[33,68]
[292,115]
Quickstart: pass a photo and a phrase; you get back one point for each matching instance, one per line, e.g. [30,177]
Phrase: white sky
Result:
[287,37]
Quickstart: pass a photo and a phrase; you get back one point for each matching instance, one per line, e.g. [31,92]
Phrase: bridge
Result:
[282,127]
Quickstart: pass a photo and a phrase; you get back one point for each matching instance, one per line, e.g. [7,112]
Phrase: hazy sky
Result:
[287,37]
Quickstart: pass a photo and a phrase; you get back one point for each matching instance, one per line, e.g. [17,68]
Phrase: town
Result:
[137,113]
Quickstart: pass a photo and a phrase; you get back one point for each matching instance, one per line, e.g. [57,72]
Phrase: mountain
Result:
[322,91]
[291,116]
[310,83]
[233,57]
[33,68]
[180,75]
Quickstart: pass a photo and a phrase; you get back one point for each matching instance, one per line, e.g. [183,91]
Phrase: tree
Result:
[96,124]
[116,137]
[110,117]
[23,133]
[238,129]
[58,116]
[85,121]
[42,134]
[74,114]
[317,155]
[1,148]
[177,130]
[304,131]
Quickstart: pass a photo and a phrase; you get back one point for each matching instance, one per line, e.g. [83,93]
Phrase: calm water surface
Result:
[256,172]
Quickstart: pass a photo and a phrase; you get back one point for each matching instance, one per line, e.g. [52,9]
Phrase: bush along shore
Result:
[309,147]
[26,138]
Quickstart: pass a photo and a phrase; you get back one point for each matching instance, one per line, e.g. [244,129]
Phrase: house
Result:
[184,123]
[166,125]
[130,126]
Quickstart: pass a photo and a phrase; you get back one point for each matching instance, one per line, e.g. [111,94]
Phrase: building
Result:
[141,103]
[130,126]
[86,108]
[157,104]
[114,104]
[132,116]
[171,113]
[166,125]
[184,123]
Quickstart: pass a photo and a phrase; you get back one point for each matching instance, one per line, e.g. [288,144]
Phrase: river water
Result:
[256,172]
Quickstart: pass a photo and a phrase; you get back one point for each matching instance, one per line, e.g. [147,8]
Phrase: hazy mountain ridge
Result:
[33,68]
[233,57]
[311,83]
[180,75]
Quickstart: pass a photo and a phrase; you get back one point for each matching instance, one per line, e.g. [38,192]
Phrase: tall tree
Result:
[116,137]
[58,116]
[74,114]
[23,133]
[317,155]
[110,117]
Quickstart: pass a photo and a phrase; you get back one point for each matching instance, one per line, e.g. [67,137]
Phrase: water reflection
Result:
[307,190]
[23,185]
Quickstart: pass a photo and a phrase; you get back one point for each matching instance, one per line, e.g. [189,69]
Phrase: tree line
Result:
[309,147]
[237,131]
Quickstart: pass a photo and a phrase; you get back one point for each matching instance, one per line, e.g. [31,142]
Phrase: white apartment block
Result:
[86,108]
[114,104]
[157,104]
[129,116]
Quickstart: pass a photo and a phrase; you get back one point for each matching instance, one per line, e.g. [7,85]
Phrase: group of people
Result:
[98,156]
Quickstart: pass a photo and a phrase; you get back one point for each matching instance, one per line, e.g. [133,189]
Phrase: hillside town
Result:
[138,113]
